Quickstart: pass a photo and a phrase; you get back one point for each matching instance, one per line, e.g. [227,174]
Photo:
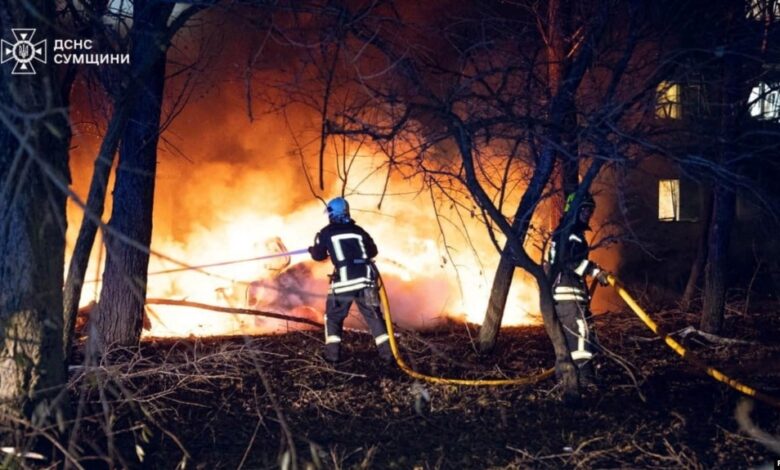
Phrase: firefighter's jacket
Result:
[351,249]
[569,264]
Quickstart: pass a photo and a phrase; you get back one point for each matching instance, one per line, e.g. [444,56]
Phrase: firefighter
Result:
[351,250]
[568,264]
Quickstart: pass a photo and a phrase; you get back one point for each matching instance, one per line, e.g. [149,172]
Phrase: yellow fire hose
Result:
[679,349]
[443,380]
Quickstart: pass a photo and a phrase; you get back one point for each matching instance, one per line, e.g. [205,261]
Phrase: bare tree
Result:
[34,139]
[743,38]
[467,98]
[109,37]
[733,111]
[137,101]
[556,32]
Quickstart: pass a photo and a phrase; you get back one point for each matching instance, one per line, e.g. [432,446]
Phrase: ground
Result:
[246,402]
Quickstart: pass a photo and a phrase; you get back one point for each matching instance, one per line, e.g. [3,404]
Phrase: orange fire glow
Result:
[231,186]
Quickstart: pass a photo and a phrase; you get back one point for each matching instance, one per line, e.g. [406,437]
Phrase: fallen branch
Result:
[690,330]
[242,311]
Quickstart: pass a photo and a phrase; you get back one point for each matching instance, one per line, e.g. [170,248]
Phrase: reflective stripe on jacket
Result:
[350,249]
[568,258]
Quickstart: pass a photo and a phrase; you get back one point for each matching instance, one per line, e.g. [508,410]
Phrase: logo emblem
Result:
[24,51]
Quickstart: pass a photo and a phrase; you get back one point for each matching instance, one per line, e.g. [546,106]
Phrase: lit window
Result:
[764,10]
[669,200]
[668,101]
[765,102]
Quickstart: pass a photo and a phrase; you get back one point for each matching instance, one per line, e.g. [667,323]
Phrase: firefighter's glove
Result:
[601,276]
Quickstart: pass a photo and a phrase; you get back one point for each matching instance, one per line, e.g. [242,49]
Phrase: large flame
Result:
[227,188]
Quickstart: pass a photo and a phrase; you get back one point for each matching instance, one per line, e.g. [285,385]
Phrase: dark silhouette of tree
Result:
[705,215]
[723,59]
[559,41]
[735,93]
[34,139]
[136,91]
[108,38]
[477,93]
[118,318]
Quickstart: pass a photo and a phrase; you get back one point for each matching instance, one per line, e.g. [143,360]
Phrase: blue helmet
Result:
[338,210]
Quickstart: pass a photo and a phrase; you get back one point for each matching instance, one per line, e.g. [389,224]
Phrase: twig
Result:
[254,435]
[689,330]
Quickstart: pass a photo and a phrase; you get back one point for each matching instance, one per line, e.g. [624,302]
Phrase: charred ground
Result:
[230,402]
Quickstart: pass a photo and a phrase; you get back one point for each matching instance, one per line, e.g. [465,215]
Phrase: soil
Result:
[266,402]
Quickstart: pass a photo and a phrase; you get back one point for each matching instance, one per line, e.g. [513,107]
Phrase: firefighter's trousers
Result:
[336,312]
[577,327]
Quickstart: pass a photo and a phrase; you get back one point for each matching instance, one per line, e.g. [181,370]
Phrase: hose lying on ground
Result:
[671,342]
[531,379]
[680,350]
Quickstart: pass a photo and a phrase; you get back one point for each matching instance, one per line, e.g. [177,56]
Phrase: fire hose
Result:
[443,380]
[682,352]
[674,345]
[226,263]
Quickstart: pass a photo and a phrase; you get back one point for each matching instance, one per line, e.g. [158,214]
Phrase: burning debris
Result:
[284,292]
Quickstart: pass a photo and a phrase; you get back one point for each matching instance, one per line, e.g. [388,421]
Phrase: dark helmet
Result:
[338,210]
[587,201]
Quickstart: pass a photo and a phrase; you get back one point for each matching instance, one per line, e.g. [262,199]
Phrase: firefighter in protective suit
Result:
[568,265]
[351,250]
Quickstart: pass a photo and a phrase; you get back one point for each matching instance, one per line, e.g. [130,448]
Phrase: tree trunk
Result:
[124,99]
[118,317]
[717,261]
[724,202]
[34,139]
[559,34]
[559,28]
[701,250]
[88,230]
[488,331]
[564,367]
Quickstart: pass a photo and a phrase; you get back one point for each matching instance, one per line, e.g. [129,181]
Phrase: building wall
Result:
[661,253]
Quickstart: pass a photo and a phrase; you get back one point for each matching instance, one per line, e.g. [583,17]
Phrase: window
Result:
[695,100]
[668,200]
[679,200]
[668,100]
[764,10]
[765,102]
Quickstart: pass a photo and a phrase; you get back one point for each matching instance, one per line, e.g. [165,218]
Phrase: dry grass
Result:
[265,402]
